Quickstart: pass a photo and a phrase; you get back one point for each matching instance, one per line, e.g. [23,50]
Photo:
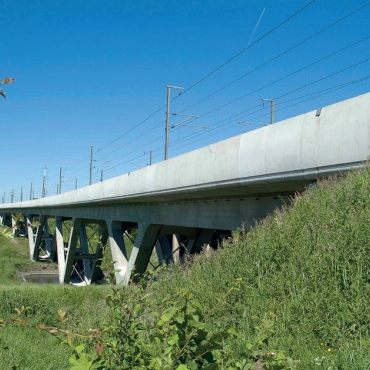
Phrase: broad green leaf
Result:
[182,367]
[79,348]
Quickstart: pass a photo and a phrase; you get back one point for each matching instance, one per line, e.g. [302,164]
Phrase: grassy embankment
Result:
[27,348]
[308,265]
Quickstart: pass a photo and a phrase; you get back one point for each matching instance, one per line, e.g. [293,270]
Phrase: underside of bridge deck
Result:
[157,234]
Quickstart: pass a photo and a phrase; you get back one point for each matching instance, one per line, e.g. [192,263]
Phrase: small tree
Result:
[5,81]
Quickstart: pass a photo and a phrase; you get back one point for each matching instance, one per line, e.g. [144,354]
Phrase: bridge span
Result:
[182,204]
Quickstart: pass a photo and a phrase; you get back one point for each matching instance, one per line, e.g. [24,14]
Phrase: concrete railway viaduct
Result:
[179,205]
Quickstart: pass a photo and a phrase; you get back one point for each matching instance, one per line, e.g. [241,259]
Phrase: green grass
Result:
[14,253]
[32,349]
[308,265]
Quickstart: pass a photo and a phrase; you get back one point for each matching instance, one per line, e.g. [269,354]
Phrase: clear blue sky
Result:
[92,72]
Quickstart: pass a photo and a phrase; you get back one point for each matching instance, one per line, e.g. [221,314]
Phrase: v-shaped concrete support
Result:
[145,240]
[71,252]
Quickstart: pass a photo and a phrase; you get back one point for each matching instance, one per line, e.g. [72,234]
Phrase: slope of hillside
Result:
[301,277]
[307,266]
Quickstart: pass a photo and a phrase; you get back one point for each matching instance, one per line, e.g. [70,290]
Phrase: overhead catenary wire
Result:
[276,81]
[279,55]
[294,90]
[249,46]
[84,160]
[306,85]
[214,71]
[231,120]
[285,77]
[264,64]
[203,78]
[263,87]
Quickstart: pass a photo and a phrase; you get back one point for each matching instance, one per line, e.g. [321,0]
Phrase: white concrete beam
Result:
[72,245]
[118,249]
[60,248]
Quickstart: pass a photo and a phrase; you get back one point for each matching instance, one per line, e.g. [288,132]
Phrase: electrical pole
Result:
[60,181]
[91,162]
[101,175]
[168,118]
[272,109]
[21,193]
[31,192]
[150,156]
[44,183]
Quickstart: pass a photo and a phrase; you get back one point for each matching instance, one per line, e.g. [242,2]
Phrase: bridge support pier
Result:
[60,248]
[118,249]
[86,263]
[99,254]
[146,238]
[35,240]
[14,229]
[71,252]
[164,250]
[31,241]
[25,225]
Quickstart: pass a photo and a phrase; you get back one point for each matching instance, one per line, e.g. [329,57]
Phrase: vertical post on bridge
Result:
[167,129]
[272,114]
[60,180]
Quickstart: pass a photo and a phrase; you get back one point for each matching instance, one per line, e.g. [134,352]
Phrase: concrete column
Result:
[176,248]
[25,223]
[1,218]
[118,249]
[13,225]
[203,239]
[99,254]
[140,255]
[71,252]
[86,262]
[53,249]
[31,240]
[188,248]
[166,248]
[60,247]
[46,236]
[37,238]
[159,251]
